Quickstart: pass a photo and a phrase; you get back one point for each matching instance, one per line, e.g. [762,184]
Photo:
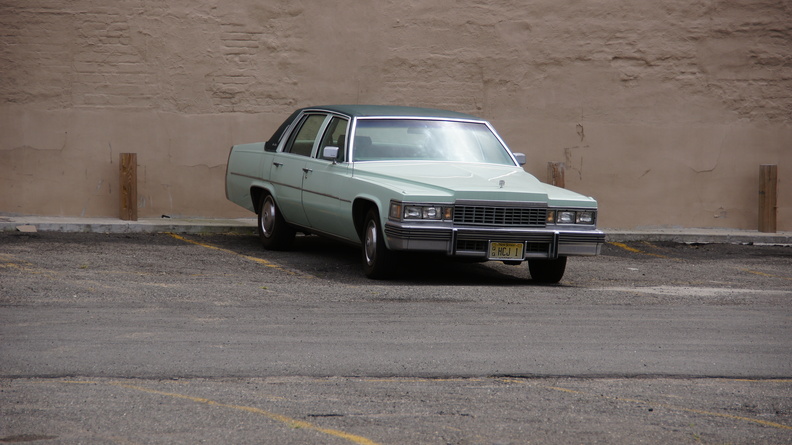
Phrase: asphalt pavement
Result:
[182,337]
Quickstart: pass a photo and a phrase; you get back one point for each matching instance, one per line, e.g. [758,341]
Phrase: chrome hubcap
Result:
[267,217]
[370,242]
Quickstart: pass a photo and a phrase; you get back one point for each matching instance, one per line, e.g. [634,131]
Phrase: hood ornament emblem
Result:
[501,183]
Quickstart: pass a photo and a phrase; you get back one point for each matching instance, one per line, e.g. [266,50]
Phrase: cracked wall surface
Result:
[661,110]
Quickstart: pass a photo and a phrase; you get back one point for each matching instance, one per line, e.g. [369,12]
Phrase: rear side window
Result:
[302,141]
[274,140]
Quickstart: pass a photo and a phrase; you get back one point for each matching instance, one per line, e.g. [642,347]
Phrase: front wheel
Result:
[548,271]
[377,259]
[275,233]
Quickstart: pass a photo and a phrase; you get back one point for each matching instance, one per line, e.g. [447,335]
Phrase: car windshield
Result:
[432,140]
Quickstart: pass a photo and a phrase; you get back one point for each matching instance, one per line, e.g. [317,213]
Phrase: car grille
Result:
[500,216]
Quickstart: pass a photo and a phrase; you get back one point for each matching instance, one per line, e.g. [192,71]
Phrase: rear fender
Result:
[257,191]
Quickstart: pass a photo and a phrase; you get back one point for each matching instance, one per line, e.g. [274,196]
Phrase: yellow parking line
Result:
[634,250]
[247,257]
[675,408]
[647,243]
[294,423]
[9,262]
[763,274]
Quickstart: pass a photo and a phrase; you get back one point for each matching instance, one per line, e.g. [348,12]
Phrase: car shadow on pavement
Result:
[336,261]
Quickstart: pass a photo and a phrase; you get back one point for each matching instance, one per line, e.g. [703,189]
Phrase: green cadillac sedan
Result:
[408,180]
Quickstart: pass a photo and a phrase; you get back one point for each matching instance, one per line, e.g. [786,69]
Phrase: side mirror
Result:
[520,157]
[330,154]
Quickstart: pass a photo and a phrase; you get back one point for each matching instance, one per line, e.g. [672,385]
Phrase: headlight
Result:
[565,217]
[423,212]
[584,217]
[401,211]
[432,212]
[412,212]
[571,217]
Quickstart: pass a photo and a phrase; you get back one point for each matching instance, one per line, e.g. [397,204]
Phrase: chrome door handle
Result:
[307,170]
[277,164]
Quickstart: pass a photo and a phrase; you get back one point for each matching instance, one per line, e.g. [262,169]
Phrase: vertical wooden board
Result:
[768,198]
[128,187]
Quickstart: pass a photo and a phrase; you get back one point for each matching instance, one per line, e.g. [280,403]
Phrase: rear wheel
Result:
[275,233]
[377,259]
[548,271]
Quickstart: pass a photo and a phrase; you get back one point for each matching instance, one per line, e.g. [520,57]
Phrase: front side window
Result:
[335,136]
[302,141]
[432,140]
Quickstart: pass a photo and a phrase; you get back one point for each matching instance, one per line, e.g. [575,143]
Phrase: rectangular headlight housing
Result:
[424,212]
[565,217]
[412,212]
[572,217]
[584,217]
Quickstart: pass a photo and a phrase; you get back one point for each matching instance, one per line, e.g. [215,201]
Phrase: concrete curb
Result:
[110,225]
[699,236]
[247,226]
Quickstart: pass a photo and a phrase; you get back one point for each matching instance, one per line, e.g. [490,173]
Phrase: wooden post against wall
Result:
[128,186]
[555,174]
[768,201]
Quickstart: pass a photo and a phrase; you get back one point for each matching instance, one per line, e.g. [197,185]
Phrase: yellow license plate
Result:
[506,251]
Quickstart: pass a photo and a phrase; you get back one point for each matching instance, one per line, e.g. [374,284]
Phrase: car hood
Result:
[461,181]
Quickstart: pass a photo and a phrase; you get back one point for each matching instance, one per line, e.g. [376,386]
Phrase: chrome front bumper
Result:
[473,241]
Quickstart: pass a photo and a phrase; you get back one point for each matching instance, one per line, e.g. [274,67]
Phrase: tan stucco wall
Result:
[661,110]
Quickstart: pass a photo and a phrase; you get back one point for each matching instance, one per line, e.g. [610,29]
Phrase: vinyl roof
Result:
[393,111]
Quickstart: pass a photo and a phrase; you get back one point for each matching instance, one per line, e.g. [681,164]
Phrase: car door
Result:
[326,209]
[289,167]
